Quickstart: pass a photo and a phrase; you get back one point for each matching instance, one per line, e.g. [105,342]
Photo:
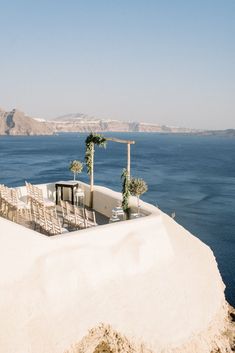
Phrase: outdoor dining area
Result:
[71,205]
[41,214]
[65,210]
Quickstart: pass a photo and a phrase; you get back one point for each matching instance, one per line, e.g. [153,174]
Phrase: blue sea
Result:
[193,176]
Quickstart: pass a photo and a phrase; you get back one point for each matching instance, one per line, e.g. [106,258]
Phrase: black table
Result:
[65,184]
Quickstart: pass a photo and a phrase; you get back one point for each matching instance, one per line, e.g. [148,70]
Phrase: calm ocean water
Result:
[191,175]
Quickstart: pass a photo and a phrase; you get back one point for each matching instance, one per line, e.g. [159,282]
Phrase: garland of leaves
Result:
[91,140]
[125,190]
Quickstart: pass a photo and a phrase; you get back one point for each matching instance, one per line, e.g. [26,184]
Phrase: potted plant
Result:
[137,187]
[75,167]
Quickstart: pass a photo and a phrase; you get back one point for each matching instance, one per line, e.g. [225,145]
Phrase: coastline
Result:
[230,333]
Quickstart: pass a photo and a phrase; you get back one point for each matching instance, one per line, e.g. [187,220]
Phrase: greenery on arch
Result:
[91,140]
[125,190]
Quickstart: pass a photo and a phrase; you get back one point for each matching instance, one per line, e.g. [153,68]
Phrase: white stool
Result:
[118,212]
[79,197]
[114,219]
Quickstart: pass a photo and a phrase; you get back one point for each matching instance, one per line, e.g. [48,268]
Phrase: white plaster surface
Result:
[148,278]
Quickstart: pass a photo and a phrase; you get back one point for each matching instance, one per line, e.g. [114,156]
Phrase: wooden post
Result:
[92,177]
[129,143]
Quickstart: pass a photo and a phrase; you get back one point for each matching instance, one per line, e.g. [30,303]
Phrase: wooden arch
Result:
[112,139]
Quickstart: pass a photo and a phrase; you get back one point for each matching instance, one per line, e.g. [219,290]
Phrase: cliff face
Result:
[223,133]
[16,123]
[91,125]
[83,123]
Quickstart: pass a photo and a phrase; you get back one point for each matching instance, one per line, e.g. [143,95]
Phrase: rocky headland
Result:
[16,122]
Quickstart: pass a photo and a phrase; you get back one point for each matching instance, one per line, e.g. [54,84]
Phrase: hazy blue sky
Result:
[170,62]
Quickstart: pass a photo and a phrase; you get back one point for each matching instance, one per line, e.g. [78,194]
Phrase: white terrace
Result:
[41,207]
[142,276]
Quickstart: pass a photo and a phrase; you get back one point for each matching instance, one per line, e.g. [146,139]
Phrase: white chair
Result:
[80,218]
[74,217]
[46,220]
[11,207]
[90,218]
[53,226]
[35,193]
[20,209]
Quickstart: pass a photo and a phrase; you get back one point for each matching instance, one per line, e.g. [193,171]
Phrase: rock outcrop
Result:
[16,122]
[104,339]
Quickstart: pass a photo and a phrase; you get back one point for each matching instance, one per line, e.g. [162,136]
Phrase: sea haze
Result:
[193,176]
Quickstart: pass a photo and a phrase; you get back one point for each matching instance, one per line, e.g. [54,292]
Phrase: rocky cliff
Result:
[83,123]
[17,123]
[223,133]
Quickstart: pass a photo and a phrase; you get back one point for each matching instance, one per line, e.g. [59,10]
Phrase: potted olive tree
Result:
[137,187]
[75,167]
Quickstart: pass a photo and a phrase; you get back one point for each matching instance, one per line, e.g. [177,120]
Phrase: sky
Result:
[170,62]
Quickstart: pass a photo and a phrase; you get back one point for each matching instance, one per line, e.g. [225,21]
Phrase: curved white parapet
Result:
[148,278]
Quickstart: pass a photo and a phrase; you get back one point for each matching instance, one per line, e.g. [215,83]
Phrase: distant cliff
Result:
[17,123]
[225,133]
[84,123]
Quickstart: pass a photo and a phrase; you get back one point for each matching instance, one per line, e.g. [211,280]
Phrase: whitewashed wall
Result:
[148,278]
